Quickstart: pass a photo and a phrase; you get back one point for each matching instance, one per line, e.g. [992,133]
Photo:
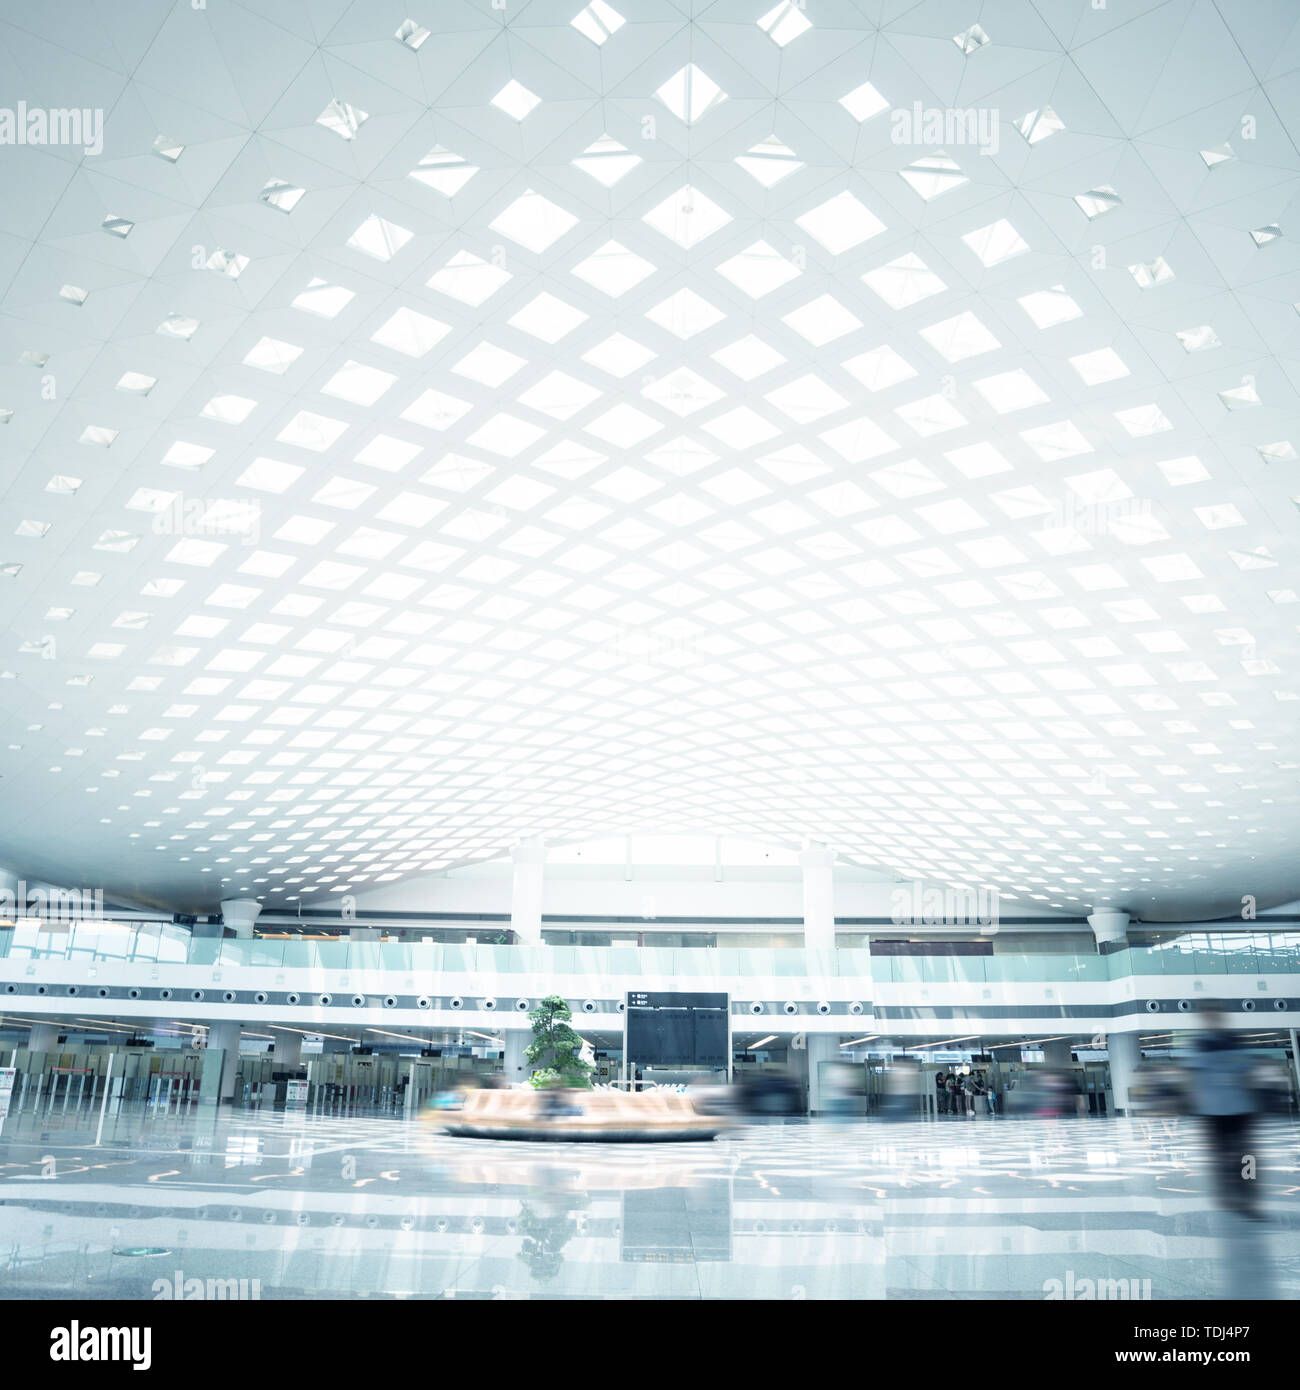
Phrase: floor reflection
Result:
[305,1204]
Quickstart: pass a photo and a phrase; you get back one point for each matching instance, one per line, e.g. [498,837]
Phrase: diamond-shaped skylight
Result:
[515,100]
[689,93]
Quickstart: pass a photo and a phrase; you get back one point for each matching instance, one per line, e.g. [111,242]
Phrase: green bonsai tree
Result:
[555,1047]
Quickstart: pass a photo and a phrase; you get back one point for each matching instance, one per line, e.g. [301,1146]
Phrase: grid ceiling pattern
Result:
[867,422]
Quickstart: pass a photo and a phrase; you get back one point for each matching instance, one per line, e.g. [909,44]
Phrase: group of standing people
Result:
[960,1094]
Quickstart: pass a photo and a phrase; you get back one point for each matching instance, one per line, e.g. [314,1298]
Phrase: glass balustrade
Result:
[1219,953]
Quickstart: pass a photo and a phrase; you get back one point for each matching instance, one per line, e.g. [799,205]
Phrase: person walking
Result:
[1222,1095]
[941,1092]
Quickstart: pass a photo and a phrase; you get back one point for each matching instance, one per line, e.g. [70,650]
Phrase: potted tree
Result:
[555,1050]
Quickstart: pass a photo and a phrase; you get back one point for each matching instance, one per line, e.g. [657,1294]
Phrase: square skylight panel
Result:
[311,431]
[230,410]
[505,435]
[1151,273]
[411,35]
[682,391]
[342,119]
[613,269]
[379,238]
[598,21]
[443,171]
[435,410]
[748,357]
[960,337]
[324,299]
[606,161]
[1038,125]
[769,161]
[272,355]
[841,223]
[687,217]
[1049,307]
[785,23]
[822,320]
[1061,440]
[1010,391]
[758,270]
[932,175]
[559,395]
[533,221]
[489,364]
[741,428]
[1199,339]
[1097,201]
[685,314]
[1098,367]
[996,243]
[515,100]
[281,195]
[864,102]
[806,399]
[358,383]
[468,278]
[904,281]
[690,93]
[547,318]
[410,333]
[931,415]
[880,368]
[624,426]
[1142,420]
[618,355]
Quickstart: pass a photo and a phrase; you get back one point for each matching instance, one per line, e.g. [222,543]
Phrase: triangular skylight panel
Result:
[1262,235]
[168,149]
[689,93]
[1217,154]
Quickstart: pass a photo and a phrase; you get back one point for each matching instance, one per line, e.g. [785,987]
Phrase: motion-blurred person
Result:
[900,1091]
[941,1091]
[1222,1094]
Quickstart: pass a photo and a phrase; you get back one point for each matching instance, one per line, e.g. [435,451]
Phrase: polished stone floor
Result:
[313,1204]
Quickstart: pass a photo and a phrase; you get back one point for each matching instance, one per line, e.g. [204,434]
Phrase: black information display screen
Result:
[673,1030]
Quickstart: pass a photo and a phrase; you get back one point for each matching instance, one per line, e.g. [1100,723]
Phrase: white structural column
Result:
[526,891]
[225,1038]
[1295,1055]
[821,1047]
[817,863]
[288,1051]
[516,1066]
[1109,926]
[44,1037]
[1125,1054]
[9,885]
[240,913]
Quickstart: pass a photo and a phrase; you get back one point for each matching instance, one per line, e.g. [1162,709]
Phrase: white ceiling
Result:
[823,509]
